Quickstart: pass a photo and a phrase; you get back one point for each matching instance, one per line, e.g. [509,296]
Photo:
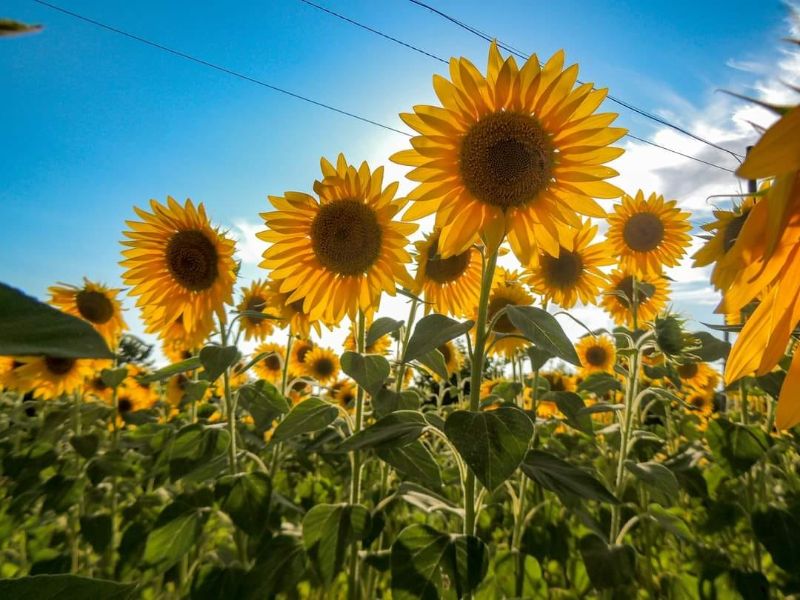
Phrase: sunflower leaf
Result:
[369,371]
[308,416]
[434,360]
[381,327]
[431,332]
[395,429]
[189,364]
[216,359]
[542,328]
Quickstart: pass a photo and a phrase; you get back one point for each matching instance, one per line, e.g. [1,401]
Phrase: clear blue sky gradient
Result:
[93,123]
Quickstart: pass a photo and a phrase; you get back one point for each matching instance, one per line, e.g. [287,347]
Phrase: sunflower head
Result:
[698,374]
[297,358]
[597,354]
[518,151]
[92,302]
[337,252]
[507,290]
[48,377]
[652,292]
[321,364]
[344,393]
[254,299]
[270,368]
[450,286]
[178,265]
[648,234]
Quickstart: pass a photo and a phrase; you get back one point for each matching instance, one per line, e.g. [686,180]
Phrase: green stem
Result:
[401,369]
[355,481]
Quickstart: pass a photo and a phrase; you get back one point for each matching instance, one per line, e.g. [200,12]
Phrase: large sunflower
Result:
[270,367]
[652,291]
[647,234]
[338,253]
[179,266]
[450,286]
[519,151]
[507,290]
[322,364]
[254,299]
[48,377]
[597,354]
[93,302]
[574,274]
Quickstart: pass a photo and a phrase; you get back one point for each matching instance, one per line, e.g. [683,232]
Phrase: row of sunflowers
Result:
[466,450]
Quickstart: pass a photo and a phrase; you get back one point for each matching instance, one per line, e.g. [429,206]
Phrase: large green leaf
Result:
[561,477]
[430,565]
[387,401]
[215,359]
[380,327]
[189,364]
[168,543]
[431,332]
[542,328]
[245,497]
[779,531]
[278,568]
[264,403]
[736,447]
[31,328]
[434,360]
[661,482]
[414,461]
[711,348]
[599,383]
[65,587]
[607,566]
[492,443]
[572,407]
[328,531]
[395,429]
[194,448]
[310,415]
[369,371]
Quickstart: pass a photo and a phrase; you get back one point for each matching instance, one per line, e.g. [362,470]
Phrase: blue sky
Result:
[94,123]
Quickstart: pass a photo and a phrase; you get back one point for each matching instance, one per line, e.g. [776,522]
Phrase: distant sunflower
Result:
[94,386]
[297,357]
[597,354]
[338,253]
[519,151]
[176,390]
[652,292]
[254,299]
[8,372]
[176,345]
[292,313]
[560,381]
[507,290]
[451,285]
[380,346]
[322,364]
[344,393]
[179,266]
[453,359]
[574,274]
[701,400]
[48,377]
[648,234]
[92,302]
[698,375]
[270,368]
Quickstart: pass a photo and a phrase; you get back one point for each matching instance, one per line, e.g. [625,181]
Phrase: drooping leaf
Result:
[431,332]
[395,429]
[600,384]
[711,348]
[278,568]
[328,531]
[434,360]
[381,327]
[308,416]
[246,499]
[492,443]
[215,359]
[542,328]
[65,587]
[264,403]
[661,482]
[32,328]
[538,357]
[736,447]
[608,566]
[113,377]
[168,543]
[194,448]
[414,461]
[369,371]
[572,405]
[561,477]
[388,401]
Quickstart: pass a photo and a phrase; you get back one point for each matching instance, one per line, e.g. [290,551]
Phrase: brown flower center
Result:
[273,362]
[643,232]
[94,306]
[124,405]
[444,270]
[563,271]
[192,260]
[596,356]
[346,237]
[688,370]
[59,366]
[503,324]
[302,351]
[506,159]
[323,367]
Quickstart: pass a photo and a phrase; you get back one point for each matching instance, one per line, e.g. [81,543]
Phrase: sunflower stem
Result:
[355,487]
[475,379]
[401,369]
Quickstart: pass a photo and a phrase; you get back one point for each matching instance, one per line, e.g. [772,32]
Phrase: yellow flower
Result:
[176,389]
[701,400]
[450,286]
[652,292]
[519,151]
[321,364]
[699,375]
[507,290]
[574,274]
[178,265]
[452,357]
[380,346]
[48,377]
[597,354]
[344,393]
[270,368]
[290,313]
[648,234]
[339,252]
[297,357]
[237,379]
[560,381]
[254,299]
[94,303]
[9,374]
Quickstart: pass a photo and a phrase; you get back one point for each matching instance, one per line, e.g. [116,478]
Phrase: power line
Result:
[614,99]
[219,68]
[508,48]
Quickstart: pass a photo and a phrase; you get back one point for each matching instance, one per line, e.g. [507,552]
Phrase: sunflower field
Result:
[465,449]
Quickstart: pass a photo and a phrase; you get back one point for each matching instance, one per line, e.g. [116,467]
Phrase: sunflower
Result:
[701,400]
[254,299]
[144,394]
[270,367]
[648,234]
[652,291]
[560,381]
[344,393]
[699,375]
[92,302]
[179,266]
[507,290]
[380,346]
[48,377]
[574,273]
[518,151]
[8,372]
[290,313]
[321,364]
[450,286]
[176,389]
[297,357]
[597,354]
[453,358]
[176,345]
[94,386]
[338,253]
